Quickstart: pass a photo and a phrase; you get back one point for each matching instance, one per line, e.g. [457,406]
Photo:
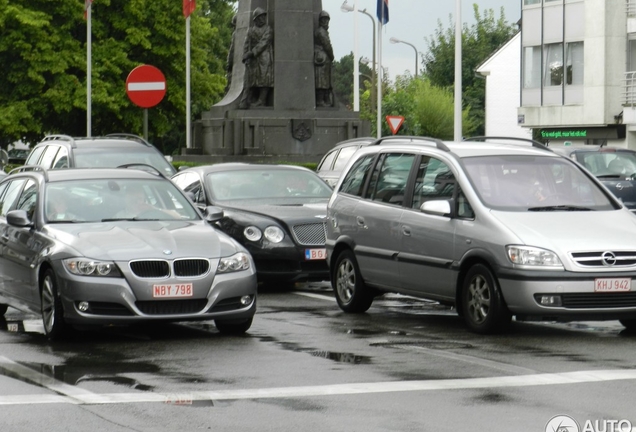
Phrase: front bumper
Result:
[576,290]
[288,263]
[113,301]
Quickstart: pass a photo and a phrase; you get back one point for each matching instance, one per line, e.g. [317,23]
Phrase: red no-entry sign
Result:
[145,86]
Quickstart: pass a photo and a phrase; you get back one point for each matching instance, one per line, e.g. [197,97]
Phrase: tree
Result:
[343,79]
[43,48]
[478,42]
[427,110]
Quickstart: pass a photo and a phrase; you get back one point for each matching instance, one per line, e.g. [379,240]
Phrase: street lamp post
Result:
[348,8]
[396,40]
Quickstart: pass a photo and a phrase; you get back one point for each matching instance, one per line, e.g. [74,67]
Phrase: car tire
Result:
[351,292]
[233,327]
[629,324]
[51,307]
[483,306]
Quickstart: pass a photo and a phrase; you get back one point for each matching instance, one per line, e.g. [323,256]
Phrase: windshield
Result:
[609,164]
[115,199]
[266,184]
[529,183]
[113,157]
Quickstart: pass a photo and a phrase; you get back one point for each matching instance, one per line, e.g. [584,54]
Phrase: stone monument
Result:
[279,104]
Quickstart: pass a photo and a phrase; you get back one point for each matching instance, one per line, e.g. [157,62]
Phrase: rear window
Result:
[106,157]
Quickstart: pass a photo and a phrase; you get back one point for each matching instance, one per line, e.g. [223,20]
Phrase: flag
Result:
[383,11]
[87,4]
[188,7]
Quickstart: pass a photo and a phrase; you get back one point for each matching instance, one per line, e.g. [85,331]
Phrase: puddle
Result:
[339,357]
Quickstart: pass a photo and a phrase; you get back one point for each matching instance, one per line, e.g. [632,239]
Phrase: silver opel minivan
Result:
[497,228]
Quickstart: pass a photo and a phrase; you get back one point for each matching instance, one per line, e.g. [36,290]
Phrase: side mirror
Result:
[18,218]
[437,207]
[213,214]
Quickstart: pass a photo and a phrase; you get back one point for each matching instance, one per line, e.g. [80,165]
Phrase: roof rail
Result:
[528,140]
[60,137]
[131,136]
[143,167]
[387,139]
[25,168]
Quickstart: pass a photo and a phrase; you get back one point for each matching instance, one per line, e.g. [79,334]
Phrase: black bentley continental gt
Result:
[278,212]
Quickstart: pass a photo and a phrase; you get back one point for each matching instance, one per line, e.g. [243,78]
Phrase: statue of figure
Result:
[258,56]
[230,56]
[323,57]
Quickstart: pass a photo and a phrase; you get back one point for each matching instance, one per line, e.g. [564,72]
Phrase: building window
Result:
[553,64]
[531,2]
[532,67]
[574,62]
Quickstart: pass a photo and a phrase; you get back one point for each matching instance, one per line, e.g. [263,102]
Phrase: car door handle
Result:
[406,230]
[360,221]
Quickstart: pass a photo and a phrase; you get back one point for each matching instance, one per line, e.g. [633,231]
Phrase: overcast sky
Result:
[412,21]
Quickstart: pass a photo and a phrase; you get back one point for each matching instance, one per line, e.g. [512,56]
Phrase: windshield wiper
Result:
[57,221]
[117,219]
[560,208]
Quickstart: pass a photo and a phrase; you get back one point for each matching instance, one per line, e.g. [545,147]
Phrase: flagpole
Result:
[188,114]
[458,71]
[356,62]
[88,67]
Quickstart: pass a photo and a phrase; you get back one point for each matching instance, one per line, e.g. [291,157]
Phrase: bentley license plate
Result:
[172,290]
[315,254]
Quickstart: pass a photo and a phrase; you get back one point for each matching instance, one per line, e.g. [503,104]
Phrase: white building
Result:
[503,92]
[578,63]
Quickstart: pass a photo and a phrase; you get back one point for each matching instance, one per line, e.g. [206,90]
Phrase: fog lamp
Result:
[246,300]
[83,306]
[549,300]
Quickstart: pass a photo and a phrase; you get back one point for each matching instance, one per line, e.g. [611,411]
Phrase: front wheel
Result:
[233,327]
[351,292]
[51,306]
[483,306]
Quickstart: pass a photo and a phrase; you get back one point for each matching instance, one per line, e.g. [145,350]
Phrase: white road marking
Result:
[316,296]
[546,379]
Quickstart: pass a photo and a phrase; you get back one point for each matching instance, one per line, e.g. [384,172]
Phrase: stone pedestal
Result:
[290,127]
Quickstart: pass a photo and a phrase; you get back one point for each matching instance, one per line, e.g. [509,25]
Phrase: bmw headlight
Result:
[89,267]
[274,234]
[237,262]
[252,233]
[533,257]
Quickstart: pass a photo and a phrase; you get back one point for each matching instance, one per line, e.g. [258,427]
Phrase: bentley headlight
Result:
[237,262]
[533,257]
[252,233]
[89,267]
[274,234]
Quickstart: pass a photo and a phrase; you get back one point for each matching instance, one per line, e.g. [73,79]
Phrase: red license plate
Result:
[612,284]
[172,290]
[315,254]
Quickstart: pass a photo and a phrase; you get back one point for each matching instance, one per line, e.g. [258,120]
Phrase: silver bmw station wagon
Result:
[117,246]
[497,228]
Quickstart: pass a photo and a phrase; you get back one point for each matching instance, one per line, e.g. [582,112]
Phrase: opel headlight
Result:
[274,234]
[237,262]
[533,257]
[88,267]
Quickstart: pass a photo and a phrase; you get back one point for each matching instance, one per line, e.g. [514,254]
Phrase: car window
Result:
[189,182]
[327,161]
[89,157]
[343,157]
[355,179]
[28,198]
[389,179]
[10,196]
[49,156]
[61,159]
[522,183]
[434,181]
[35,155]
[464,209]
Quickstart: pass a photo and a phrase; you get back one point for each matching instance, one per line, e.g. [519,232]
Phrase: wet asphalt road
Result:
[406,365]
